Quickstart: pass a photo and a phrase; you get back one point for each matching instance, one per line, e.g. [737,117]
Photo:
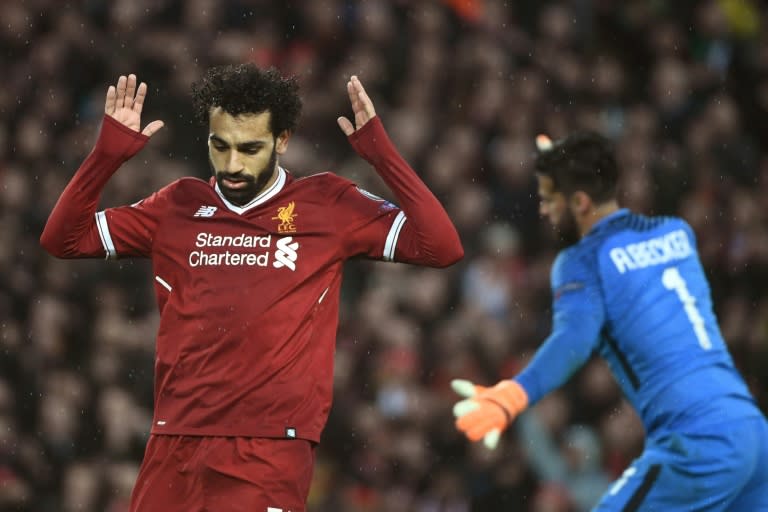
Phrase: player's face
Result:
[553,206]
[243,153]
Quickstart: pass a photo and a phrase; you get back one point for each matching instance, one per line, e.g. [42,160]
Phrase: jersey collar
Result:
[608,218]
[263,197]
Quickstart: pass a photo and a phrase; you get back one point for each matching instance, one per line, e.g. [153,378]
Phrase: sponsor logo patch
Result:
[205,211]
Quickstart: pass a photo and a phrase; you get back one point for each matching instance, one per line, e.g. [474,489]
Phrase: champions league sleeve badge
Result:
[385,205]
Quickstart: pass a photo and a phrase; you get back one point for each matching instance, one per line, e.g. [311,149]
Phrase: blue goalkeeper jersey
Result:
[633,289]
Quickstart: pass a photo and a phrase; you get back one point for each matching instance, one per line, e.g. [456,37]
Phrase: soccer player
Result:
[633,289]
[247,269]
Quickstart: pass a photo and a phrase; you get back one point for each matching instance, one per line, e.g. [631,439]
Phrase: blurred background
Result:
[463,87]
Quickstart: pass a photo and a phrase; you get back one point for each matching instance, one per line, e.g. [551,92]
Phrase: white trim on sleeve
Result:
[163,283]
[106,238]
[394,233]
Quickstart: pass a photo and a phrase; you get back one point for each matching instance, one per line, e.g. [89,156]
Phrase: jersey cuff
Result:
[106,238]
[394,233]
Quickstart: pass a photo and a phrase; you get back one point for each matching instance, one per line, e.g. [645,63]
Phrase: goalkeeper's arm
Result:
[487,411]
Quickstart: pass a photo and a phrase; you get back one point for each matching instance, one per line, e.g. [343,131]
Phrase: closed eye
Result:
[250,149]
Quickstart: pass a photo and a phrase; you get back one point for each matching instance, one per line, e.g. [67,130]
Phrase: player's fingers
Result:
[464,407]
[478,431]
[141,93]
[354,99]
[122,83]
[109,103]
[475,424]
[463,387]
[152,128]
[478,423]
[345,125]
[130,91]
[481,427]
[351,90]
[365,101]
[491,439]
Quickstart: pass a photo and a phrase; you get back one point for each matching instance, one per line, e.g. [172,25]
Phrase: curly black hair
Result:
[582,161]
[248,89]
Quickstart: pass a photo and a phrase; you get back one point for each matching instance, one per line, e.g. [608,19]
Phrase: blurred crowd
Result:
[463,87]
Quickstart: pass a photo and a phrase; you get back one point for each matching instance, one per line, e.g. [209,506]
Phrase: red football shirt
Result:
[249,296]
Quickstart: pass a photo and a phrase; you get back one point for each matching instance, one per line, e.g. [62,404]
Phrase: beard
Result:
[566,231]
[253,185]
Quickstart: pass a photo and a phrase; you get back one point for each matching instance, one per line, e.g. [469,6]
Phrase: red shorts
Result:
[223,474]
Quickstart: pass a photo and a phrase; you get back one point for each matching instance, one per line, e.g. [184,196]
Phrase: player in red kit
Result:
[247,271]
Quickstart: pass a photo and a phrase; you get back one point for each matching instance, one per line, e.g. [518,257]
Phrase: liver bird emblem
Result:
[285,214]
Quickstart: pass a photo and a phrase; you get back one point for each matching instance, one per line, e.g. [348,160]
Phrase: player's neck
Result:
[595,215]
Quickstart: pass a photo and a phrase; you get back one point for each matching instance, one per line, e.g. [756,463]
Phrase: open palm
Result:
[362,107]
[124,103]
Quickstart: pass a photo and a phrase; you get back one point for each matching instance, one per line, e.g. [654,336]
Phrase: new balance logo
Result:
[205,211]
[285,255]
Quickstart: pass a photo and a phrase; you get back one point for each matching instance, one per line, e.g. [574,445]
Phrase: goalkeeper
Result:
[633,289]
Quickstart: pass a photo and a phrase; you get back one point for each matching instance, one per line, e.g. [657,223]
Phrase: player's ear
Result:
[281,143]
[580,202]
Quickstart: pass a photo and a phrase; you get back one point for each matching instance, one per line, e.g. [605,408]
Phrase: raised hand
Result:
[362,106]
[124,103]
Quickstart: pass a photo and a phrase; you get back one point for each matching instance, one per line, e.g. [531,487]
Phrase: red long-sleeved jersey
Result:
[249,296]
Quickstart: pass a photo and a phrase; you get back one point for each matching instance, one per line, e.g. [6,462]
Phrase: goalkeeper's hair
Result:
[584,161]
[248,89]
